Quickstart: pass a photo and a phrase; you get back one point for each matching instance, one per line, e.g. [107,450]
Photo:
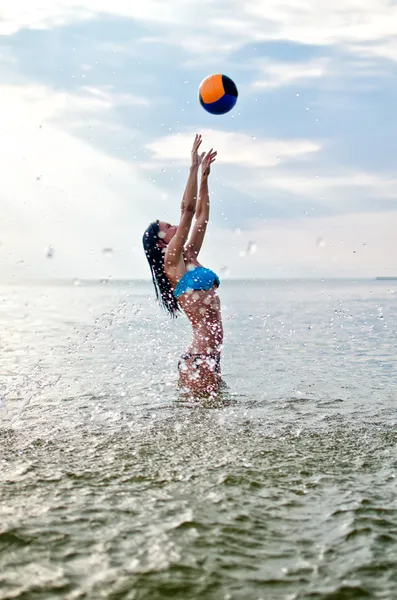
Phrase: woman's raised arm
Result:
[175,247]
[203,206]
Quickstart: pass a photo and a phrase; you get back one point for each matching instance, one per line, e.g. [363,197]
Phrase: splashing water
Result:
[112,482]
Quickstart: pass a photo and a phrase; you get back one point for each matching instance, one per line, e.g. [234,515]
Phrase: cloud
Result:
[108,97]
[233,149]
[291,194]
[42,14]
[103,90]
[357,245]
[197,24]
[57,190]
[312,185]
[323,23]
[328,73]
[276,74]
[386,47]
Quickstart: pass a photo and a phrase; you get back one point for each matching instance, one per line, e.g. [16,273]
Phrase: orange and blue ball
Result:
[218,94]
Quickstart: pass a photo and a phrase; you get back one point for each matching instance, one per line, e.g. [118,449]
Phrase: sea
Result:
[114,485]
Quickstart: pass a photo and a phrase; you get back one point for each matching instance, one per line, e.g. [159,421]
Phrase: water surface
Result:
[111,486]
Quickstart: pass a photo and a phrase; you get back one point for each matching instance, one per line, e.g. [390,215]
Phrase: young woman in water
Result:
[182,283]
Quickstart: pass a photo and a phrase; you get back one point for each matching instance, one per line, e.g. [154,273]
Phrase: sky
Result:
[99,107]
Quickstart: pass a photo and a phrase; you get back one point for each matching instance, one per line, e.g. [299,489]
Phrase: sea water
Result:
[112,485]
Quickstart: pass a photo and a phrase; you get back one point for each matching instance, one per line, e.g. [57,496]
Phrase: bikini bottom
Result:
[199,358]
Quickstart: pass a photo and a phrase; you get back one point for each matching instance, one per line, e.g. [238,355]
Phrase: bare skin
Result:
[202,307]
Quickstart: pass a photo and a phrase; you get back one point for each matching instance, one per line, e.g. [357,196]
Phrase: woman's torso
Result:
[202,308]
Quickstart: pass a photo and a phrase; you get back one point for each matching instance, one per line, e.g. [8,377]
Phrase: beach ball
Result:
[218,94]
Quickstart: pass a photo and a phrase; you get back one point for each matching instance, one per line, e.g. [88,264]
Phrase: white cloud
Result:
[36,14]
[233,149]
[321,22]
[354,73]
[56,190]
[202,25]
[384,48]
[42,14]
[312,185]
[109,98]
[273,75]
[352,245]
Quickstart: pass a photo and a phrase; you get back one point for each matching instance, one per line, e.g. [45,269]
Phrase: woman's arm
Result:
[203,206]
[175,247]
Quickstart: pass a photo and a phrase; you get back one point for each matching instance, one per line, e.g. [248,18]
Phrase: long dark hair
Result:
[155,256]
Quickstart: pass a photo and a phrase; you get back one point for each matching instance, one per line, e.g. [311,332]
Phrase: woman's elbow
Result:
[189,210]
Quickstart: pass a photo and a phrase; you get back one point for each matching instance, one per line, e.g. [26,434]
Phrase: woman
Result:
[181,283]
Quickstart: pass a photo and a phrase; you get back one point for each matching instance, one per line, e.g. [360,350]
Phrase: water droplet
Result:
[76,282]
[251,248]
[237,230]
[320,242]
[108,252]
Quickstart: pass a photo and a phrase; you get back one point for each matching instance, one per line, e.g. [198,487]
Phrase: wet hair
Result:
[155,256]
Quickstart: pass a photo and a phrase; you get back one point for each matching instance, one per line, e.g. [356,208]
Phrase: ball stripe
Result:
[211,88]
[229,86]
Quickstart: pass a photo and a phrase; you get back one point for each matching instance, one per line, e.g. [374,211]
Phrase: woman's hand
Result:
[206,163]
[196,159]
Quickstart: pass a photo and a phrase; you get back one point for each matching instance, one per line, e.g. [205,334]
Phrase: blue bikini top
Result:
[198,278]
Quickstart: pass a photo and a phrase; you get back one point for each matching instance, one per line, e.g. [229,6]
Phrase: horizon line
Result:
[109,280]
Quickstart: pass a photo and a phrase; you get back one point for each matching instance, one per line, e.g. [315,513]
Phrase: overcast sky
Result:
[99,108]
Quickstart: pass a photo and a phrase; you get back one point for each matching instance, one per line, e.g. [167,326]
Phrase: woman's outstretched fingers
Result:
[197,142]
[196,145]
[207,162]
